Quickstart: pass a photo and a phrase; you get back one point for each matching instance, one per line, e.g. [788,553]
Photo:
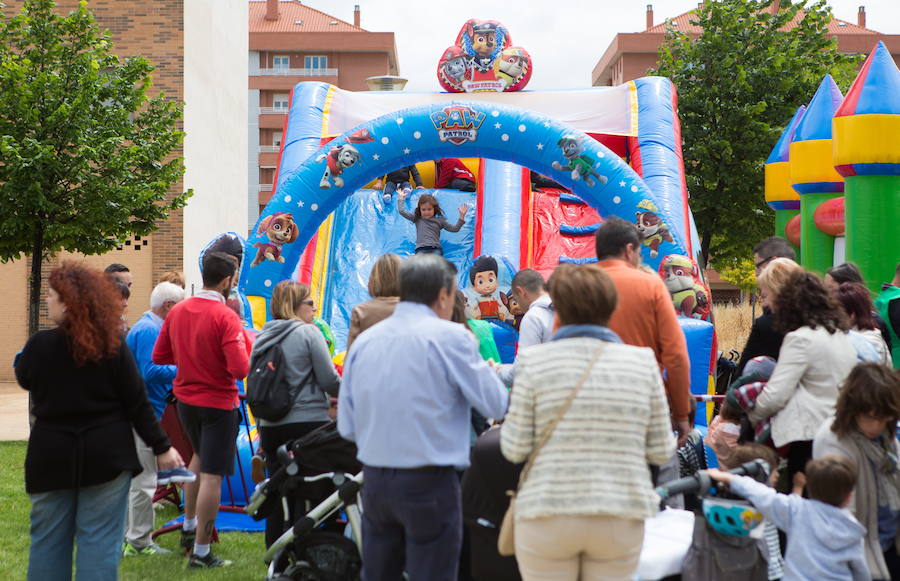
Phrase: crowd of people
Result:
[594,412]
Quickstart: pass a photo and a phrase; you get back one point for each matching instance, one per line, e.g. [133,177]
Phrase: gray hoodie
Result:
[825,543]
[306,355]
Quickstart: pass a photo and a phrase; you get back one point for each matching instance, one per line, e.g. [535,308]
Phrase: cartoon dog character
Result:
[512,305]
[455,66]
[511,65]
[582,165]
[280,229]
[337,159]
[680,275]
[652,228]
[484,38]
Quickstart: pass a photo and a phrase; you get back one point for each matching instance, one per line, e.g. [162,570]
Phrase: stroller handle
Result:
[700,482]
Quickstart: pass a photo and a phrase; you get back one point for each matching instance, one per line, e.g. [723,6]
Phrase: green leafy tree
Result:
[86,157]
[738,84]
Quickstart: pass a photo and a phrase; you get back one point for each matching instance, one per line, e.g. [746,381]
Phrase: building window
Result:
[276,138]
[280,100]
[281,61]
[315,62]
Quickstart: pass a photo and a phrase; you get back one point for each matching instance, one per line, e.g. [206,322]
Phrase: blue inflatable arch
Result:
[455,129]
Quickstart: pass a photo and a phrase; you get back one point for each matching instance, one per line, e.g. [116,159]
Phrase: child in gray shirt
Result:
[429,220]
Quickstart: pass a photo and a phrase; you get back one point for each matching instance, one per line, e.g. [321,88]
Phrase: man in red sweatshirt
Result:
[452,174]
[205,340]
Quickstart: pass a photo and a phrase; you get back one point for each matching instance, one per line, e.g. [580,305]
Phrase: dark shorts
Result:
[430,250]
[213,435]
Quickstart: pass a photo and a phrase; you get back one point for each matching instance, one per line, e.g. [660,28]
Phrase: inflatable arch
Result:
[463,128]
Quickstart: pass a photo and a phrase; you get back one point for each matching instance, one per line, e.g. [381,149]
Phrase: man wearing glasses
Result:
[764,339]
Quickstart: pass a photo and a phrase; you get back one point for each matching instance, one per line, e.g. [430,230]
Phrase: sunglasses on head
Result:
[763,262]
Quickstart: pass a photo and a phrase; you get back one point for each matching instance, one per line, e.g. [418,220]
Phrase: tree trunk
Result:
[705,238]
[34,286]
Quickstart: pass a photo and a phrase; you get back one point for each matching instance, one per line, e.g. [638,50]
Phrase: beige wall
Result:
[215,123]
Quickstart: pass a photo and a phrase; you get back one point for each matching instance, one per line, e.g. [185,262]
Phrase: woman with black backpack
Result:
[306,373]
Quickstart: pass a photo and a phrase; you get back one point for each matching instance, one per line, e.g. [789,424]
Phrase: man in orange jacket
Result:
[644,316]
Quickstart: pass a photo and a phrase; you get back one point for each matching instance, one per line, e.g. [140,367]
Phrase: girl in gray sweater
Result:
[429,220]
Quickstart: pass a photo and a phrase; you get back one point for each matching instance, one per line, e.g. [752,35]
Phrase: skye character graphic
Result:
[680,274]
[280,230]
[581,165]
[652,228]
[484,279]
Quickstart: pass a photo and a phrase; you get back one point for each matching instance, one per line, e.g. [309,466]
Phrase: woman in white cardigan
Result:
[581,509]
[815,358]
[864,429]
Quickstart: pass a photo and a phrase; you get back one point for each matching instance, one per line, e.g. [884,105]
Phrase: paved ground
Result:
[13,412]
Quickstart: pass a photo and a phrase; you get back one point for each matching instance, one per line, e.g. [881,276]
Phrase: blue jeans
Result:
[92,517]
[430,250]
[391,187]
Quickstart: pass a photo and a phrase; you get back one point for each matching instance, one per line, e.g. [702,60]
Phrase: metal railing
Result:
[269,148]
[273,110]
[265,187]
[279,72]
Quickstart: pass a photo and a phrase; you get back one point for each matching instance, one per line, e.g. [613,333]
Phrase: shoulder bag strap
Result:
[562,411]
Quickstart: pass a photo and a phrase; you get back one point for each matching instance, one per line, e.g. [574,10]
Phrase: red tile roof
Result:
[682,22]
[290,12]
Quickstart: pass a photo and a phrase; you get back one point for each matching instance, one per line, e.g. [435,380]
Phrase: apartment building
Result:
[291,42]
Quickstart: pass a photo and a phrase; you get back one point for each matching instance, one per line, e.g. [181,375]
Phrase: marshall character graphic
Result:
[653,230]
[681,276]
[454,67]
[581,165]
[341,157]
[485,281]
[280,230]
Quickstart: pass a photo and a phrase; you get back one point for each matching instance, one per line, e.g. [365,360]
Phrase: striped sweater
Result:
[595,463]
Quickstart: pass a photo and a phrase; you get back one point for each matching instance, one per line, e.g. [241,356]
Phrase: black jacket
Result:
[82,433]
[764,339]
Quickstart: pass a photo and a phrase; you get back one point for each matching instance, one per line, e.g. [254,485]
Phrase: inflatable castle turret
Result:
[780,195]
[813,175]
[867,153]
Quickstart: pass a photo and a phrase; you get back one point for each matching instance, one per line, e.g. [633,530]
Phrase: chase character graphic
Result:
[484,279]
[680,275]
[652,228]
[581,165]
[512,305]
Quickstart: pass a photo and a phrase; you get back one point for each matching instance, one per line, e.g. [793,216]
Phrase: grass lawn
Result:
[244,549]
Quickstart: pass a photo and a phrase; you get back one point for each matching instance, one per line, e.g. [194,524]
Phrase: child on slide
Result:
[429,220]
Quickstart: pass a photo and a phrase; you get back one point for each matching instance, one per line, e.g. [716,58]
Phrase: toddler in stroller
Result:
[317,484]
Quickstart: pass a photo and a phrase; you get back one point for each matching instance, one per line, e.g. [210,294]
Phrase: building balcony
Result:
[269,148]
[280,72]
[273,110]
[265,188]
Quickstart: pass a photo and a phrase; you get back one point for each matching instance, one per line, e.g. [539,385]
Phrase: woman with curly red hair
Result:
[87,396]
[815,358]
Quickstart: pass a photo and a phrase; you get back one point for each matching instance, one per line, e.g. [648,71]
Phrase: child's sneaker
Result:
[386,198]
[151,549]
[209,561]
[180,474]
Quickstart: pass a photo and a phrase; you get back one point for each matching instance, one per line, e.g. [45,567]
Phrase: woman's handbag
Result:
[506,540]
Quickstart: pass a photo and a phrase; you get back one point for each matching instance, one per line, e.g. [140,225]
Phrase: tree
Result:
[738,84]
[86,157]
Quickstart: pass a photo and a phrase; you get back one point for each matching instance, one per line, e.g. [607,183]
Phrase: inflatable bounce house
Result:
[611,151]
[833,178]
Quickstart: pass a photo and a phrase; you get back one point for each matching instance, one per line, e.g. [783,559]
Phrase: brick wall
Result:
[153,30]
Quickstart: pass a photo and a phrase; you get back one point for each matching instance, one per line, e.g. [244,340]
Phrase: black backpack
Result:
[268,394]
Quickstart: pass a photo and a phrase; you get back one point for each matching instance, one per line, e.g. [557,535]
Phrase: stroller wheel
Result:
[300,572]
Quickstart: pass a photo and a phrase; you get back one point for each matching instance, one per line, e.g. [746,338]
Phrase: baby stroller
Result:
[317,488]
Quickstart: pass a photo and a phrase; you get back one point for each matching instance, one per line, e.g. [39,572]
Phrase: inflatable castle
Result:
[833,178]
